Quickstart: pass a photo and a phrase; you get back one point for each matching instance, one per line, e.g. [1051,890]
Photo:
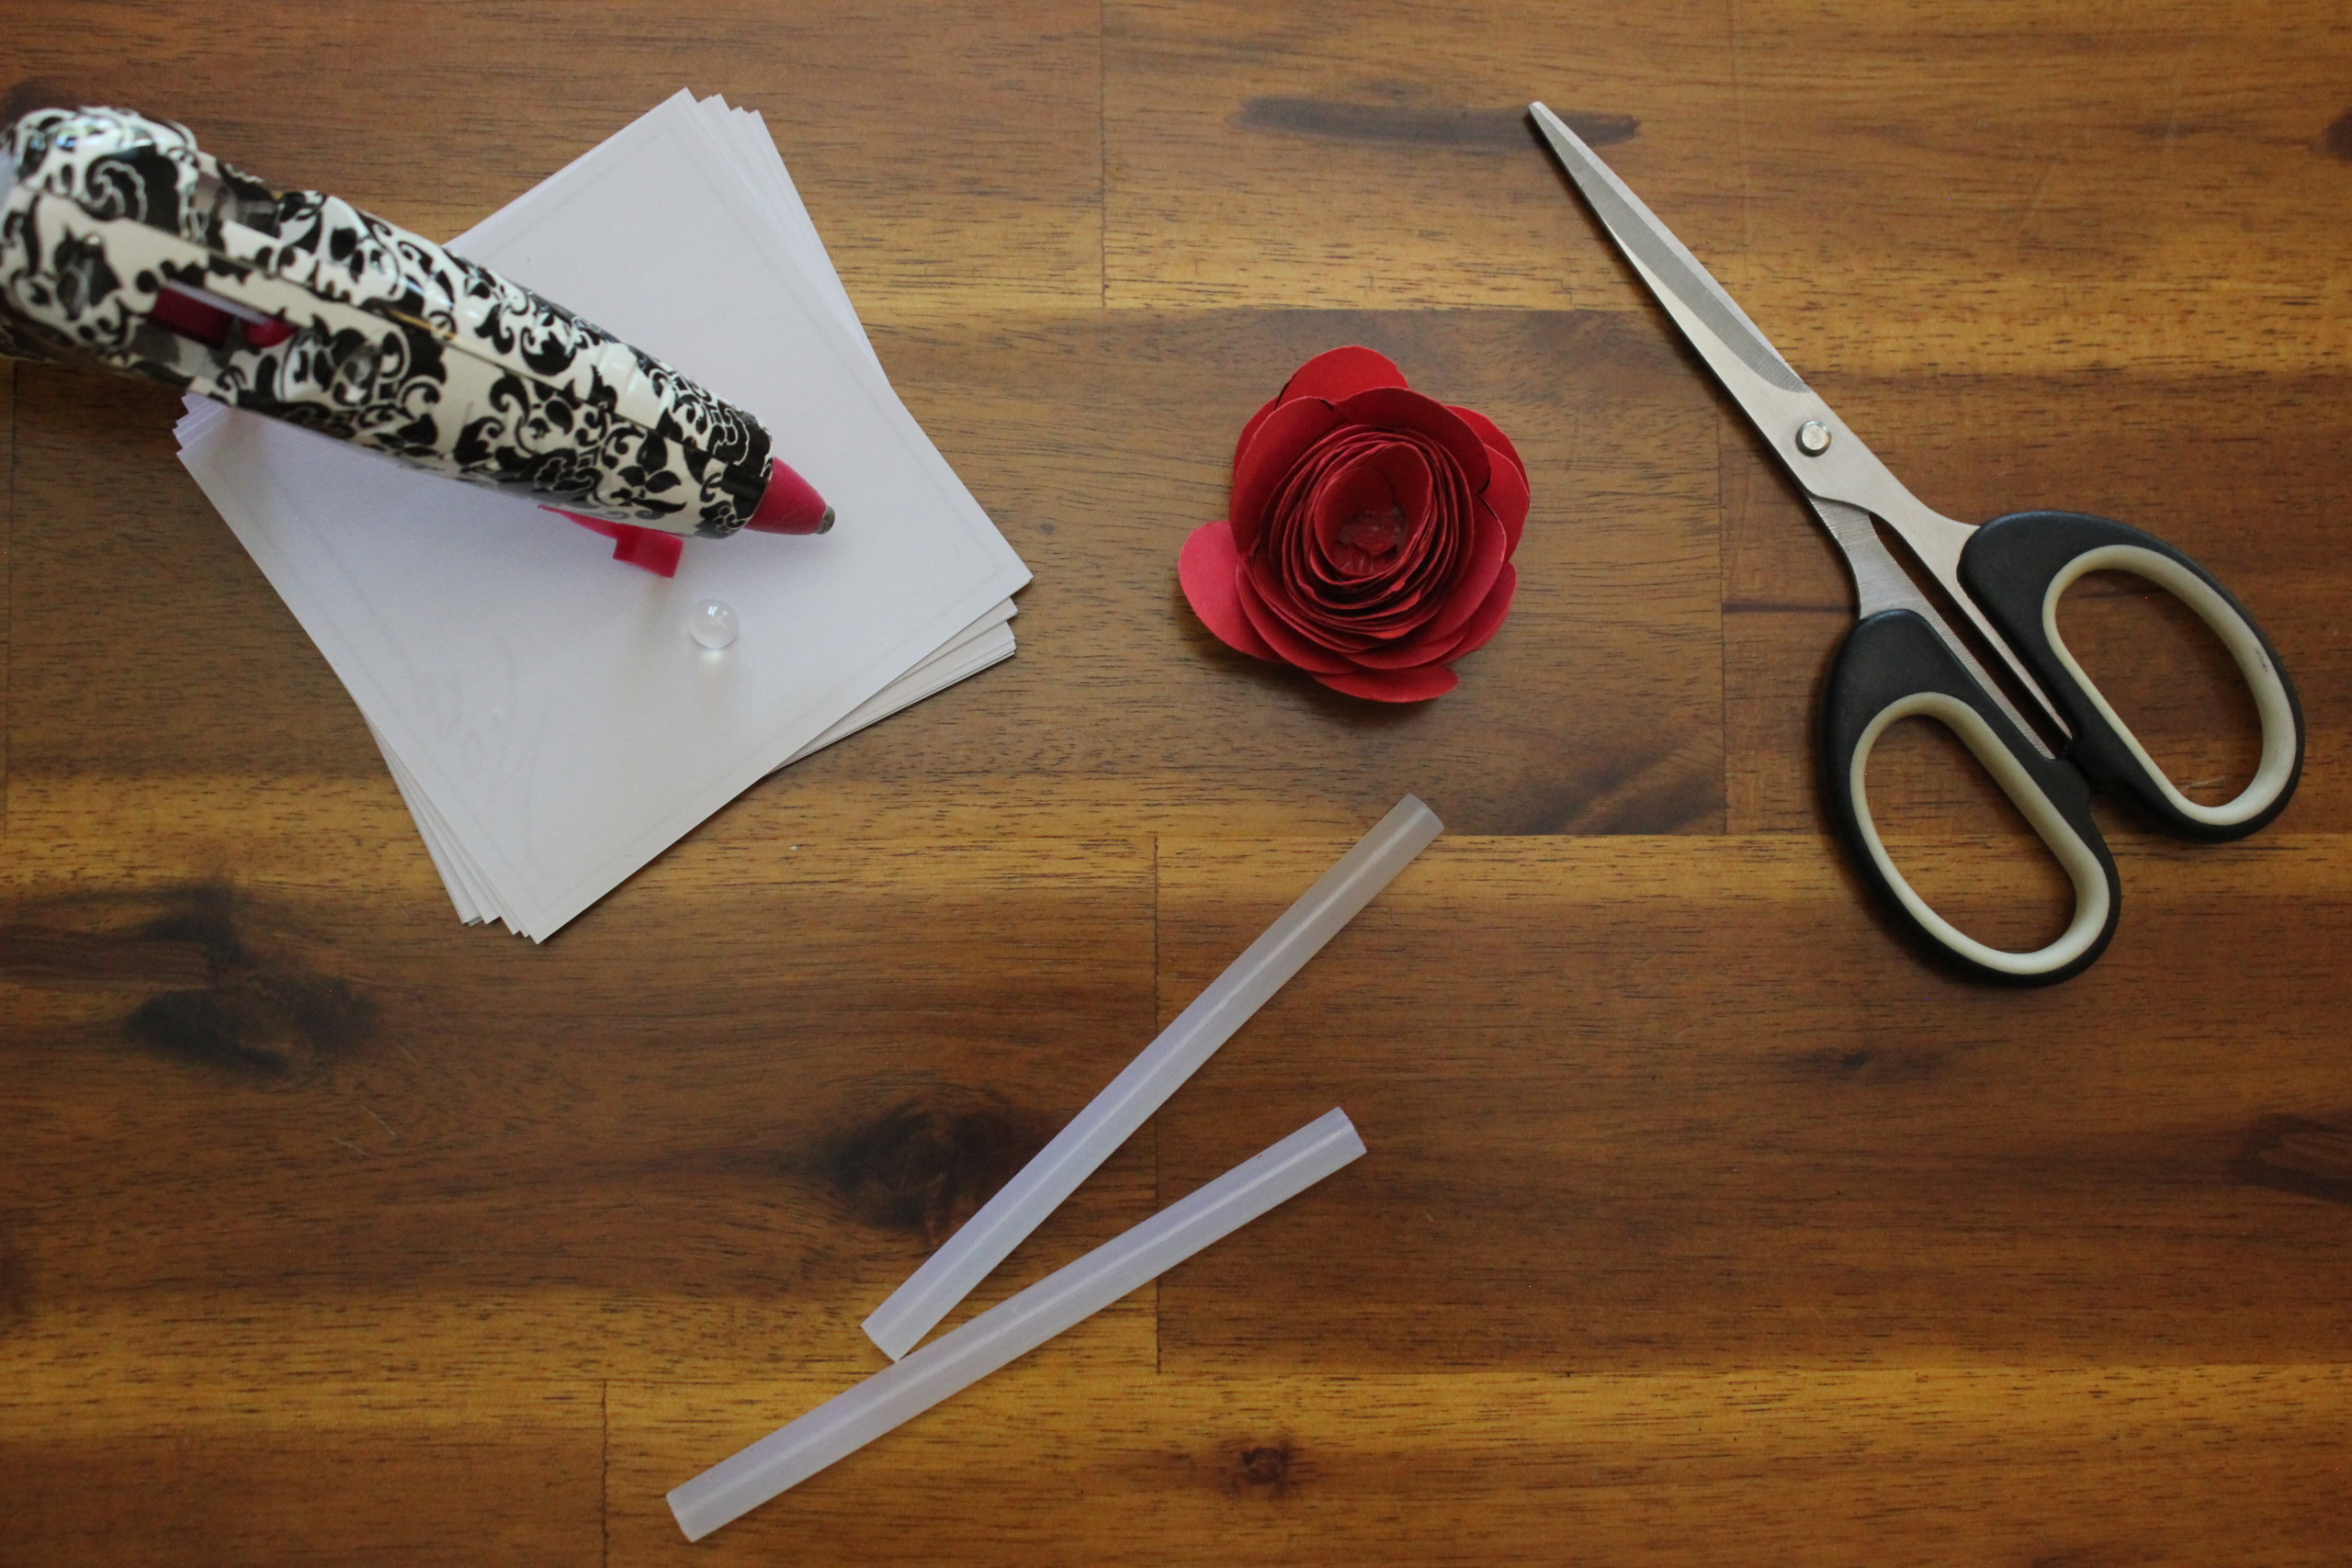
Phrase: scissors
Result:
[1902,658]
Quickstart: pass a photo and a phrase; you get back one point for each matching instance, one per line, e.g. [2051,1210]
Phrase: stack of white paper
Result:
[549,722]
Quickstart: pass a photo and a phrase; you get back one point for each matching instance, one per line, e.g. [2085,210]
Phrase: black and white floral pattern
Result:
[395,344]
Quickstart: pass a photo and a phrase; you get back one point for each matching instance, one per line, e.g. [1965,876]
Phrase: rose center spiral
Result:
[1373,531]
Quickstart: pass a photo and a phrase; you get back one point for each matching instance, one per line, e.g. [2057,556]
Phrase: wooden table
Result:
[1703,1222]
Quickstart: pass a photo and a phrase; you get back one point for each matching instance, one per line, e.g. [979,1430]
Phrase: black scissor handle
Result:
[2016,566]
[1893,666]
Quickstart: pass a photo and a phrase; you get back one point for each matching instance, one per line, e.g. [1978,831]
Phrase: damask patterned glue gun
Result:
[123,245]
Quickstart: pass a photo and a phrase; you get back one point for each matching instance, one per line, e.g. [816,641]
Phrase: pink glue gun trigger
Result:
[790,504]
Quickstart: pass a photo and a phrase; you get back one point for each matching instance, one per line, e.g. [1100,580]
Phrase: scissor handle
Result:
[2016,567]
[1893,667]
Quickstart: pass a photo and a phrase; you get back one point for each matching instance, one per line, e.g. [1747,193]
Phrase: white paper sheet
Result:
[545,717]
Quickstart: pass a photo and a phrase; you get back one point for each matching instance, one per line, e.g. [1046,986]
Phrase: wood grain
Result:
[1703,1221]
[1745,1128]
[1973,220]
[948,153]
[1962,1465]
[275,1468]
[270,1091]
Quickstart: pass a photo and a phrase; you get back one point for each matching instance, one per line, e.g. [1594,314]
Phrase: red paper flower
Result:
[1369,538]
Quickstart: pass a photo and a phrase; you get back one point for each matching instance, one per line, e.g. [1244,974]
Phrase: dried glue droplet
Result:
[711,624]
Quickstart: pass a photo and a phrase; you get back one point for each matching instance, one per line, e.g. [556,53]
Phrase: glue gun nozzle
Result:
[790,505]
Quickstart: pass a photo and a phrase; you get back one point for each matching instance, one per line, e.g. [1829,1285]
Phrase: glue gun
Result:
[123,245]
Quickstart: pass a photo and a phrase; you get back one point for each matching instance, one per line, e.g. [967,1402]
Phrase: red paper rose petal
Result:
[1491,434]
[1343,373]
[1289,647]
[1272,602]
[1429,636]
[1507,493]
[1396,408]
[1490,619]
[1409,655]
[1242,444]
[1489,550]
[1396,685]
[1259,472]
[1208,570]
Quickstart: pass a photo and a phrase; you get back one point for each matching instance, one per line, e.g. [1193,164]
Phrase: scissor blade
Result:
[1840,468]
[1668,267]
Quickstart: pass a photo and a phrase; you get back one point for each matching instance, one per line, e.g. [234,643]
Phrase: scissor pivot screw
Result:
[1812,438]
